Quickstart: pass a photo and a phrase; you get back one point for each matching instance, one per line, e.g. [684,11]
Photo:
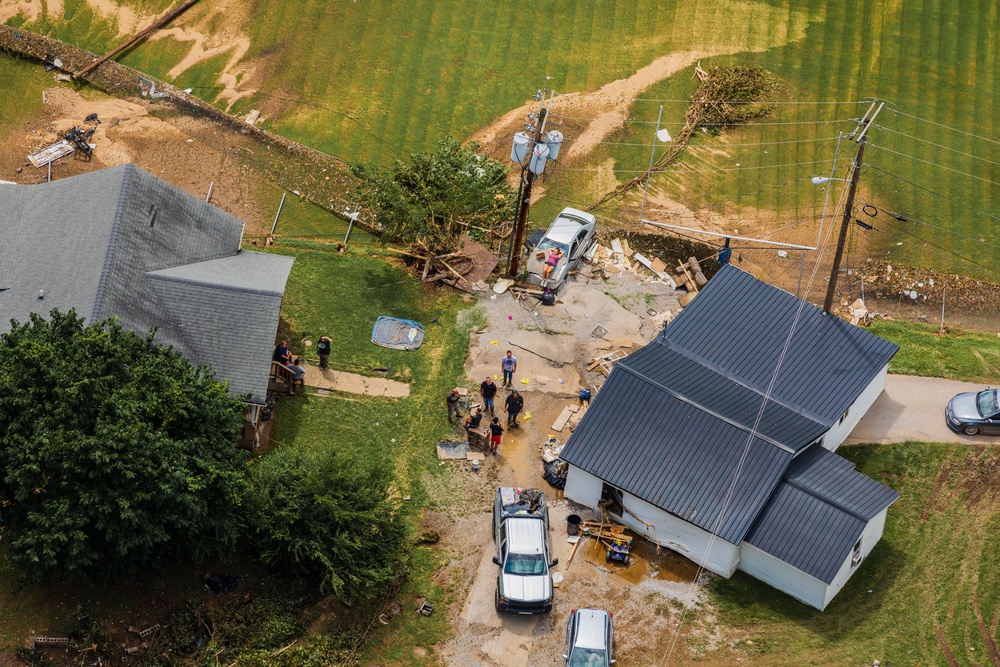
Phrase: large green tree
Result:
[434,197]
[114,450]
[331,517]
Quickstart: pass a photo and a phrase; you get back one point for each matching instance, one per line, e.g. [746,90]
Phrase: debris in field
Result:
[465,268]
[47,642]
[426,609]
[449,450]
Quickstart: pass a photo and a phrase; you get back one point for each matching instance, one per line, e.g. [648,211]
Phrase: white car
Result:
[590,637]
[572,232]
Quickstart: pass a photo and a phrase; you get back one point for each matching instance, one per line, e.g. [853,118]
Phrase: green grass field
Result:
[935,563]
[369,81]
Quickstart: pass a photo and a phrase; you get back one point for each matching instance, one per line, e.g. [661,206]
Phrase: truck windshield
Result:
[524,564]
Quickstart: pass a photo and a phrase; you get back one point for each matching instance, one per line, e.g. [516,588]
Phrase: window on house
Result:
[844,416]
[856,557]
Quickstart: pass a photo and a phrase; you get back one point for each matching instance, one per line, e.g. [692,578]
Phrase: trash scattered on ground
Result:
[426,609]
[605,363]
[397,334]
[37,642]
[51,153]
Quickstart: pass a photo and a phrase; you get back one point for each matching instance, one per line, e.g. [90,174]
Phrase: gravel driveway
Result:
[912,408]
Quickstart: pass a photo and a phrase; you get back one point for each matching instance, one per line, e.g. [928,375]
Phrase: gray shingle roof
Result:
[93,243]
[673,420]
[818,512]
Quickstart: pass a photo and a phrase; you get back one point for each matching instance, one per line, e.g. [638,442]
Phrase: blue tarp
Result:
[397,334]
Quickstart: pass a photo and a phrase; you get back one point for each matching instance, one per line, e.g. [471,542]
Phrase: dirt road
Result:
[552,345]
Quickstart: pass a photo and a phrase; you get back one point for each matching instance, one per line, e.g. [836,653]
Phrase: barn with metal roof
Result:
[717,439]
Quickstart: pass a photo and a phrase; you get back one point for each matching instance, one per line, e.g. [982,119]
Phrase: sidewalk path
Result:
[353,383]
[912,408]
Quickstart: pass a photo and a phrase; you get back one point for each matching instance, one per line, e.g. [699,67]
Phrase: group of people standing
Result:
[513,406]
[294,368]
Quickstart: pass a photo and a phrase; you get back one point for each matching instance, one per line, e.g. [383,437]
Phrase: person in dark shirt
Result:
[513,407]
[488,390]
[453,398]
[496,433]
[281,353]
[474,420]
[323,348]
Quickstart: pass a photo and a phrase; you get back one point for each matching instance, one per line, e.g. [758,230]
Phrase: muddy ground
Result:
[650,596]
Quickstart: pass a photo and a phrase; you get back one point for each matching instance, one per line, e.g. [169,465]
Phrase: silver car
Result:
[590,636]
[974,412]
[572,232]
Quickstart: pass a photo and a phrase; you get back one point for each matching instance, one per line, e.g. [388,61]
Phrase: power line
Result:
[746,448]
[752,123]
[939,247]
[942,255]
[725,145]
[932,192]
[946,127]
[793,103]
[906,218]
[947,148]
[697,171]
[933,164]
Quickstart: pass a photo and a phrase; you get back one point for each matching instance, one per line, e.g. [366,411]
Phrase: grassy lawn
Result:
[956,355]
[936,562]
[341,296]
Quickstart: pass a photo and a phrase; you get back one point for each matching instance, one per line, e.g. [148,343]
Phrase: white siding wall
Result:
[797,583]
[782,576]
[836,435]
[869,538]
[683,537]
[582,487]
[668,530]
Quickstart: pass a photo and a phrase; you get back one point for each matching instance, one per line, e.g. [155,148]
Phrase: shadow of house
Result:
[123,243]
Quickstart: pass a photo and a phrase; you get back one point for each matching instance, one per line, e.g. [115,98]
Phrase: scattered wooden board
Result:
[564,416]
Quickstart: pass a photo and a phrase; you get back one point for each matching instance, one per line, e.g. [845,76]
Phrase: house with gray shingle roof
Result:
[123,243]
[717,439]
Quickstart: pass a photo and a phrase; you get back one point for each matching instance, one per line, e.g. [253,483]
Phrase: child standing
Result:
[496,432]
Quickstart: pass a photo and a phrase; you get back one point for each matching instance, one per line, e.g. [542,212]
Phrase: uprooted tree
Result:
[433,198]
[726,97]
[114,451]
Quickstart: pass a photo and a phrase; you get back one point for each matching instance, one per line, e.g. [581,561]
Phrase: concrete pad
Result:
[912,408]
[580,302]
[484,359]
[553,347]
[352,383]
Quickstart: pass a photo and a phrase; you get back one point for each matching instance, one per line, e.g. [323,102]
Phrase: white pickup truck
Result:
[521,533]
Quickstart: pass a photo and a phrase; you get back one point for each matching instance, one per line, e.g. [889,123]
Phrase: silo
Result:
[520,148]
[554,141]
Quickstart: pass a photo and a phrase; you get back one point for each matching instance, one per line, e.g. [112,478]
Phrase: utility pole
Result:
[849,204]
[524,203]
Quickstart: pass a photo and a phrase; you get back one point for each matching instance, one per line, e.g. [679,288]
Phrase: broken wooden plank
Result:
[625,249]
[561,420]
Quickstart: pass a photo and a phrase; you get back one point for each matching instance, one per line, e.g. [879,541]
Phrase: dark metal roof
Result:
[711,389]
[654,445]
[672,423]
[738,326]
[818,512]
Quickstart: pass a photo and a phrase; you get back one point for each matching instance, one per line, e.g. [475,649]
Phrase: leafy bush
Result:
[114,451]
[331,517]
